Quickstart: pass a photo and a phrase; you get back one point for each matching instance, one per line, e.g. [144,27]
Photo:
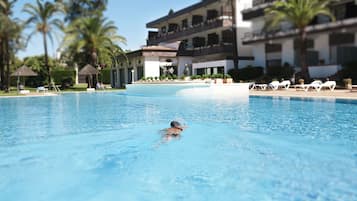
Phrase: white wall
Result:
[182,61]
[322,46]
[258,24]
[259,54]
[323,71]
[245,63]
[152,67]
[288,52]
[241,5]
[243,50]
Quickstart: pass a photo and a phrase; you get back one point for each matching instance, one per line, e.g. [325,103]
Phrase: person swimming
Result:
[174,131]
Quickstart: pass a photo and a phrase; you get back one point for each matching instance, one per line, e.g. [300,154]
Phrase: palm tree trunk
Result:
[2,67]
[46,58]
[7,59]
[235,39]
[303,55]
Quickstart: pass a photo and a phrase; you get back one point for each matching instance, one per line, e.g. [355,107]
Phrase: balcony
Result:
[275,34]
[207,50]
[181,33]
[261,2]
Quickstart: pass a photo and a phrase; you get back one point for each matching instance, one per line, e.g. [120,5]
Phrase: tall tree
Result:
[43,17]
[10,32]
[300,14]
[83,8]
[95,37]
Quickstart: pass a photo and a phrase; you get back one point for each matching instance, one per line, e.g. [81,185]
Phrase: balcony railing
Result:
[207,50]
[264,35]
[260,2]
[204,26]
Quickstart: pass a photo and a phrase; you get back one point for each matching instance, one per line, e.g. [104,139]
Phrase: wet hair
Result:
[175,124]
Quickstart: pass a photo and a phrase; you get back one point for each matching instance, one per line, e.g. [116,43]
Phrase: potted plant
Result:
[301,81]
[228,79]
[348,83]
[218,79]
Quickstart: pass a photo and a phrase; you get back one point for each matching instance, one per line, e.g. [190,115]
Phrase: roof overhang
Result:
[180,12]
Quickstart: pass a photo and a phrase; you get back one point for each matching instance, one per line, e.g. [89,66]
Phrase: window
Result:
[184,24]
[163,29]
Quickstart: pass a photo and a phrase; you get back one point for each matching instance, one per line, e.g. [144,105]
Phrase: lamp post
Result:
[132,76]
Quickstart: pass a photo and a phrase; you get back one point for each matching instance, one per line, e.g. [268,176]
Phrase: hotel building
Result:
[330,44]
[204,38]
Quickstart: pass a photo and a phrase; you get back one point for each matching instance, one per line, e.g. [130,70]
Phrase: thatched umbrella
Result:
[23,71]
[88,70]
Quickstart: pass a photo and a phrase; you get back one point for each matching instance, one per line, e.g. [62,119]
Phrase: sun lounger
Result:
[329,84]
[259,86]
[41,89]
[274,85]
[284,84]
[24,91]
[313,85]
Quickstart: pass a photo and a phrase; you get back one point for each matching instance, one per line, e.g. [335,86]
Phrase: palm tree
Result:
[10,31]
[42,15]
[95,37]
[300,14]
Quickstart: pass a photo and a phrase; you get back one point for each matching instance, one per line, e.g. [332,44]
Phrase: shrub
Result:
[59,75]
[105,76]
[280,72]
[349,71]
[248,73]
[66,82]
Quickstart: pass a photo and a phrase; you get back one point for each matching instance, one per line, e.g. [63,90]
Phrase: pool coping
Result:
[336,94]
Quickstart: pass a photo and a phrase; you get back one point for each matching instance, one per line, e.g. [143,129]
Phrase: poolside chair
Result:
[258,86]
[313,85]
[329,84]
[274,85]
[41,88]
[285,84]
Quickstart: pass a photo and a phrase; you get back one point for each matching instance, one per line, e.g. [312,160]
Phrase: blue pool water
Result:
[106,147]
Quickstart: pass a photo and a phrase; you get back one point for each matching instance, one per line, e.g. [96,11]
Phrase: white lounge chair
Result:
[329,84]
[284,84]
[313,85]
[41,88]
[259,86]
[274,85]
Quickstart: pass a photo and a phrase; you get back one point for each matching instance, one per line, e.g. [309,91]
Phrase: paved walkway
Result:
[338,94]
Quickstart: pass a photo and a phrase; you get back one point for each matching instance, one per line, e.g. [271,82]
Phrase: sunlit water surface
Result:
[107,147]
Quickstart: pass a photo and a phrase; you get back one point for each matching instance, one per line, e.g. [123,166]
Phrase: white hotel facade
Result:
[330,44]
[213,36]
[203,38]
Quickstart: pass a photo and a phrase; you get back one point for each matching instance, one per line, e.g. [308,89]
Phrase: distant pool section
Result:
[191,90]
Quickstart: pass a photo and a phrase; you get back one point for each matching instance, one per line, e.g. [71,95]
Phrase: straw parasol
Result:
[23,71]
[88,70]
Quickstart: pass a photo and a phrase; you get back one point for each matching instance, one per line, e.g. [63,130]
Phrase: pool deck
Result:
[336,94]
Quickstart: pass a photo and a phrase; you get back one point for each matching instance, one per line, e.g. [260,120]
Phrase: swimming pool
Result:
[106,146]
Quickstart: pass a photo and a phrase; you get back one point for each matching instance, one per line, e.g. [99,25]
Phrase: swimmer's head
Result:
[176,124]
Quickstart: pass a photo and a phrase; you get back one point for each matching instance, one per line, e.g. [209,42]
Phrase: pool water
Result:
[107,147]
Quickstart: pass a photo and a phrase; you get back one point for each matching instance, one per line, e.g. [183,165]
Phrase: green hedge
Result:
[59,75]
[280,72]
[349,71]
[105,76]
[248,73]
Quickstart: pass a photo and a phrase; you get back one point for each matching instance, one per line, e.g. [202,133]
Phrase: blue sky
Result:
[129,16]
